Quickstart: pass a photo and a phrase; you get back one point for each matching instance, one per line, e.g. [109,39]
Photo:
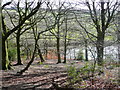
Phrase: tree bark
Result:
[101,36]
[4,67]
[27,53]
[58,50]
[46,49]
[5,60]
[65,39]
[46,53]
[19,62]
[40,55]
[100,48]
[86,51]
[119,59]
[65,50]
[99,55]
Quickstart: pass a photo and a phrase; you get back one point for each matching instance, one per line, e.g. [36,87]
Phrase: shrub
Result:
[72,74]
[11,53]
[80,55]
[79,75]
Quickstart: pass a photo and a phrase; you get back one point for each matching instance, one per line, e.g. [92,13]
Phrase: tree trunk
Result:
[0,49]
[46,50]
[65,50]
[74,54]
[100,49]
[65,41]
[86,51]
[119,59]
[4,67]
[32,59]
[101,36]
[40,55]
[5,60]
[0,39]
[27,54]
[100,55]
[58,50]
[18,50]
[119,52]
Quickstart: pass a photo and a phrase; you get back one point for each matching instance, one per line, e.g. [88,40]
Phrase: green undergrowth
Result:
[79,75]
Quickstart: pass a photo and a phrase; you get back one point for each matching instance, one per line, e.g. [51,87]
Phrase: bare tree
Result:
[58,15]
[36,45]
[24,28]
[67,29]
[101,18]
[6,32]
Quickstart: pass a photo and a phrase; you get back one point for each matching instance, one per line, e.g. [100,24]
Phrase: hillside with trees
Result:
[60,45]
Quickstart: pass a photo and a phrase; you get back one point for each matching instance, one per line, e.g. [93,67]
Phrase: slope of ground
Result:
[43,76]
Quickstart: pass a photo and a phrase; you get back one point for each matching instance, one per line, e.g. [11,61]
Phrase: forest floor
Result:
[42,76]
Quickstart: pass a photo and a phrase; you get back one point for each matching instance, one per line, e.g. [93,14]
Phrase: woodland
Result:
[60,45]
